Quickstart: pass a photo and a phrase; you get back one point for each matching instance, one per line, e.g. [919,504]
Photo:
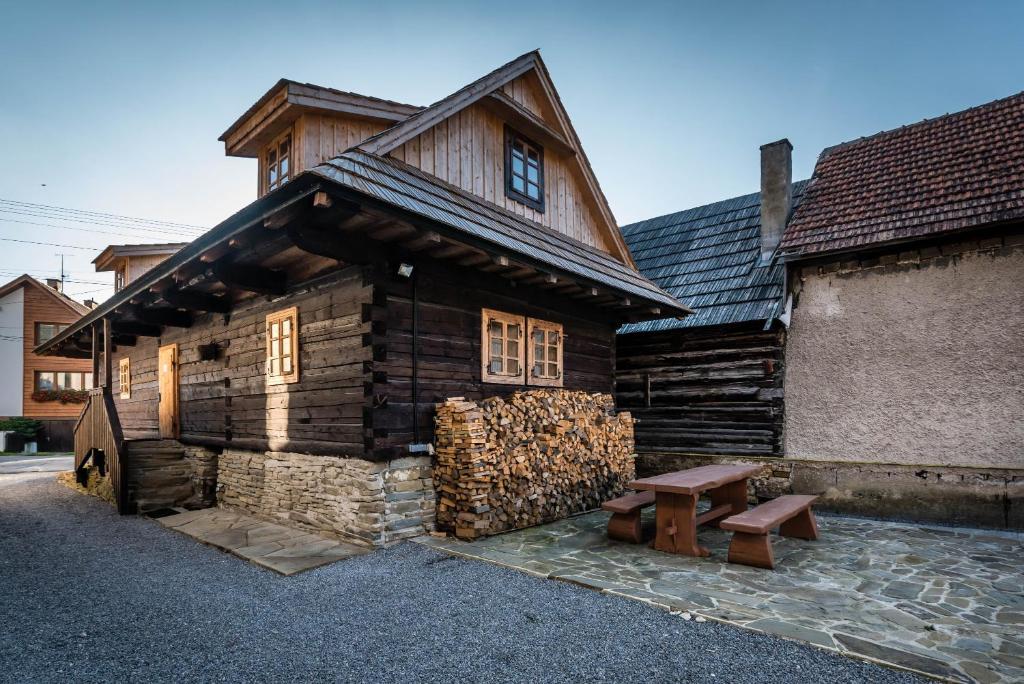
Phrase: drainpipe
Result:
[415,359]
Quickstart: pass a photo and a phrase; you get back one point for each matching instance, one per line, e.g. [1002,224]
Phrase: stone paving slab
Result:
[944,602]
[282,549]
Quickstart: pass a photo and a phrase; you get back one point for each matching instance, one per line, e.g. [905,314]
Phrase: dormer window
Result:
[278,162]
[524,170]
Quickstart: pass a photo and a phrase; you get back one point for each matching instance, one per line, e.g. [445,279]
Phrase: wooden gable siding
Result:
[319,137]
[229,396]
[526,90]
[41,307]
[468,150]
[709,390]
[449,350]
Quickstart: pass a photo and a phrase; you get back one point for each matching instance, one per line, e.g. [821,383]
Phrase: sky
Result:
[116,107]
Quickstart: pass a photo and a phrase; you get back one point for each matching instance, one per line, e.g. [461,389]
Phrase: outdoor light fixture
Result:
[405,270]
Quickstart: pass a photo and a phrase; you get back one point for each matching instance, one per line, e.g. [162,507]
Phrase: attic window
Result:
[278,162]
[524,170]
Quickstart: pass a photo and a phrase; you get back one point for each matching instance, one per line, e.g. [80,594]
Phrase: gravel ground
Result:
[88,596]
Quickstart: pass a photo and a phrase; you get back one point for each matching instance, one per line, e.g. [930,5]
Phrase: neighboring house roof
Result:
[105,258]
[951,173]
[408,188]
[404,131]
[28,281]
[709,258]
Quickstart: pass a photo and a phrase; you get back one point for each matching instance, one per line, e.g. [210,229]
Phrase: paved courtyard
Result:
[90,596]
[946,602]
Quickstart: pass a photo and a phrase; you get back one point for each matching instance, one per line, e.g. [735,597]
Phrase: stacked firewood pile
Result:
[530,458]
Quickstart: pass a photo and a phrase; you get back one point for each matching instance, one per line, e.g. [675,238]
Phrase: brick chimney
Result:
[776,194]
[54,284]
[90,303]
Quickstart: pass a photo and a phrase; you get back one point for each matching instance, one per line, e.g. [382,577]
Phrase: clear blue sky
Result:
[116,107]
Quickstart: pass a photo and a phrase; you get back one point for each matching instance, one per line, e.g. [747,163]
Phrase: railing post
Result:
[107,356]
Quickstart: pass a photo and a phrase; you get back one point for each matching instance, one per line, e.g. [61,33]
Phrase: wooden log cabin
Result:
[711,384]
[396,257]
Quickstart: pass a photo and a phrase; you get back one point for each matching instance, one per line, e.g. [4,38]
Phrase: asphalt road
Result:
[86,595]
[35,464]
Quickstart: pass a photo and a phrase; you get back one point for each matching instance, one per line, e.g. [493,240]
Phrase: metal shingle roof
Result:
[708,257]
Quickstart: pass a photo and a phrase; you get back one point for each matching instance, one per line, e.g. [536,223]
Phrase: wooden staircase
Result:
[157,474]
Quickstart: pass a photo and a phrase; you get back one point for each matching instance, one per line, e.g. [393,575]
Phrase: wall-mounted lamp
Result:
[405,270]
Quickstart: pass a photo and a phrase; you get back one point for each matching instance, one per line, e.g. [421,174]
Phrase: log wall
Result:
[704,391]
[450,304]
[226,401]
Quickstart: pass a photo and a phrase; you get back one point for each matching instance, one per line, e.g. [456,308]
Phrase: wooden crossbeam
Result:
[139,328]
[424,240]
[196,301]
[163,316]
[250,278]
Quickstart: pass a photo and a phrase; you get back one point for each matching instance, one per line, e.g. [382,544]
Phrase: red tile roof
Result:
[952,173]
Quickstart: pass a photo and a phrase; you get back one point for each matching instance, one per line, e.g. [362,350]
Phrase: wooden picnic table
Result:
[676,496]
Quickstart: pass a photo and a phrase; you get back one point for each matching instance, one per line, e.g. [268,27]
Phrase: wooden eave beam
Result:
[196,301]
[424,240]
[139,328]
[250,278]
[165,316]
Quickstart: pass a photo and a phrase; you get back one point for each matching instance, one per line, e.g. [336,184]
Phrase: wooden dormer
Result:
[296,126]
[128,262]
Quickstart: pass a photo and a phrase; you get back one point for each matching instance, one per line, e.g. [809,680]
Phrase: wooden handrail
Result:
[99,430]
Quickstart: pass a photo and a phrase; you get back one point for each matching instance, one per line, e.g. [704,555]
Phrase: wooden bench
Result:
[750,542]
[624,525]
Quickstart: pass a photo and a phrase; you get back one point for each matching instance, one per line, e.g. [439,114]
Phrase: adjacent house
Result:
[49,389]
[712,383]
[129,262]
[397,257]
[905,355]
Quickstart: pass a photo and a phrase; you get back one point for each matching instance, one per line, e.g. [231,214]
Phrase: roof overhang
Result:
[321,223]
[287,100]
[111,256]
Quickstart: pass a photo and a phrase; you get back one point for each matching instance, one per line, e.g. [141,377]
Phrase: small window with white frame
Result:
[283,347]
[546,342]
[502,347]
[124,375]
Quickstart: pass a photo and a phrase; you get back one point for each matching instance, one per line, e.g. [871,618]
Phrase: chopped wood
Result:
[530,458]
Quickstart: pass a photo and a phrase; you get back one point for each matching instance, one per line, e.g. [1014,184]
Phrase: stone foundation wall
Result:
[361,501]
[976,497]
[203,462]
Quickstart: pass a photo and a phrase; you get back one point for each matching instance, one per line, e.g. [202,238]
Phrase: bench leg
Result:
[676,516]
[751,549]
[802,526]
[625,527]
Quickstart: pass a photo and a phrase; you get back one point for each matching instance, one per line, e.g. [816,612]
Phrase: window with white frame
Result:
[545,353]
[503,352]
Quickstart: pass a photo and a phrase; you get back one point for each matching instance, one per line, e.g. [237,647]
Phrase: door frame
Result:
[168,403]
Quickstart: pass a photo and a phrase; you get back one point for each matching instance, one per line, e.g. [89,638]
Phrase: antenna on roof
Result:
[62,274]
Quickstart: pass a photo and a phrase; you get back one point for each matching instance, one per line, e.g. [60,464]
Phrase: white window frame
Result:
[545,379]
[487,316]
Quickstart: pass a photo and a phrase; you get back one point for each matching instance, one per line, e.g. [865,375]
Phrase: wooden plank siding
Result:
[318,137]
[467,150]
[715,390]
[226,401]
[450,302]
[43,308]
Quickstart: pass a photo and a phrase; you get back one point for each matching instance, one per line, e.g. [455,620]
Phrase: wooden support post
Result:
[95,355]
[107,356]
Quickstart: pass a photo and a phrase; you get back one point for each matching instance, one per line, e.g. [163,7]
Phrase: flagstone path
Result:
[945,602]
[279,548]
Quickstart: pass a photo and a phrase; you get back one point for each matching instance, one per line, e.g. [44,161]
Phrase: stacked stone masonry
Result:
[370,503]
[531,458]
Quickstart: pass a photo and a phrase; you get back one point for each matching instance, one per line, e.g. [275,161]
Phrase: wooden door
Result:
[168,365]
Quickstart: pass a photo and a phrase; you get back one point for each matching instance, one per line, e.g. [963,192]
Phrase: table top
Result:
[695,480]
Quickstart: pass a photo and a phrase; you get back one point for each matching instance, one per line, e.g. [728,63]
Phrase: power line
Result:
[99,214]
[163,233]
[48,244]
[86,230]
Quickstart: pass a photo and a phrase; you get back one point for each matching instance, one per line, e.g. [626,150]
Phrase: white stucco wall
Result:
[12,358]
[917,364]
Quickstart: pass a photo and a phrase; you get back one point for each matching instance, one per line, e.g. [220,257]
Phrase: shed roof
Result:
[709,258]
[952,173]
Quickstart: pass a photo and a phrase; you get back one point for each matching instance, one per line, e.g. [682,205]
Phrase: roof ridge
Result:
[923,122]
